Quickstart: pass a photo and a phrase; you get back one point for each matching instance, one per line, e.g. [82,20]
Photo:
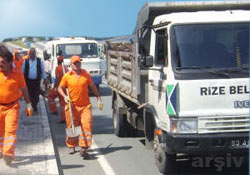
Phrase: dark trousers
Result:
[34,92]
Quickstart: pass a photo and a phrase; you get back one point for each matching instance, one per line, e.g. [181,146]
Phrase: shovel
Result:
[73,131]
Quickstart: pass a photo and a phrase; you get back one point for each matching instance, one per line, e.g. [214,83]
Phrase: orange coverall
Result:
[18,63]
[53,94]
[81,107]
[9,109]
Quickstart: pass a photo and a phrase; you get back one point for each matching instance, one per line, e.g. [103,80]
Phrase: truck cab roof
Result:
[71,40]
[204,17]
[150,10]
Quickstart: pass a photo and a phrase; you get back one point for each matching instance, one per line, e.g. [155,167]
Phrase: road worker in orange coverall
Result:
[77,81]
[17,62]
[53,92]
[17,59]
[11,83]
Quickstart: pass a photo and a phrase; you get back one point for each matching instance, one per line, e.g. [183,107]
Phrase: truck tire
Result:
[119,121]
[165,162]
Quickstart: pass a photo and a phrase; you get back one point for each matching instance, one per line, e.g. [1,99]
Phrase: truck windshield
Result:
[210,45]
[84,50]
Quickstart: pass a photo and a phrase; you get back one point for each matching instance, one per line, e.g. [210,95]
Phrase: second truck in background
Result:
[86,49]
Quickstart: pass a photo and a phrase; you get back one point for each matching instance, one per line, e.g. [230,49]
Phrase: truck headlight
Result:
[184,126]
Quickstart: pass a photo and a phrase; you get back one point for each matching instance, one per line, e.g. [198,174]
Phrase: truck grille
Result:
[223,124]
[95,72]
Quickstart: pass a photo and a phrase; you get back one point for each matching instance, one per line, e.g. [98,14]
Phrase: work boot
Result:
[7,160]
[72,150]
[84,153]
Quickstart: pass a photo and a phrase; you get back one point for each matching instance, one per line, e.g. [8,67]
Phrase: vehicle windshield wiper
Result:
[243,68]
[205,69]
[193,67]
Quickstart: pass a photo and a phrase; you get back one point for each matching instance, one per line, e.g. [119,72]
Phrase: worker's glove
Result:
[28,110]
[67,99]
[100,105]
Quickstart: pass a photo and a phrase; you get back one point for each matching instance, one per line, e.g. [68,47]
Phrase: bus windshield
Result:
[84,50]
[211,45]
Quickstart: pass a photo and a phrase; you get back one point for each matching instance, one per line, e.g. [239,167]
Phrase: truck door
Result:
[157,77]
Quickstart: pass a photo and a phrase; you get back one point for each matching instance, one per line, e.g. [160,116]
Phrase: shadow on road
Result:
[210,165]
[102,125]
[71,166]
[94,153]
[28,160]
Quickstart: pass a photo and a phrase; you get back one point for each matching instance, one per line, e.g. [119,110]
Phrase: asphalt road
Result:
[111,155]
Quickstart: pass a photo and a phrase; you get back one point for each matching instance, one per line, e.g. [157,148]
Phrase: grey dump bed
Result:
[123,73]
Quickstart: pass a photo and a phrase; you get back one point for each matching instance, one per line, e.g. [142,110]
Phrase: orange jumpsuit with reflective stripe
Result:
[81,107]
[9,109]
[17,62]
[54,94]
[51,100]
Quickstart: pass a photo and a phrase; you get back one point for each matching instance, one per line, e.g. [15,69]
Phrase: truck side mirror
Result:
[143,35]
[146,61]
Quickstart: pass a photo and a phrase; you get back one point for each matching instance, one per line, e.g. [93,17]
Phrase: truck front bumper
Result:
[196,144]
[97,79]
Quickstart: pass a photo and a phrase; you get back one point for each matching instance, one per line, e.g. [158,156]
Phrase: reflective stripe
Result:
[7,138]
[85,138]
[85,132]
[7,144]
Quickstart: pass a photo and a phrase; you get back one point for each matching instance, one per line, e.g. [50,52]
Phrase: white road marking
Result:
[103,161]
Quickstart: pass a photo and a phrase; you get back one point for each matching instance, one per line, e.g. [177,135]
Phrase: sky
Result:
[57,18]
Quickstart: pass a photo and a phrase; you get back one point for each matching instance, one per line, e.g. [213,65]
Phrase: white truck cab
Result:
[208,61]
[86,49]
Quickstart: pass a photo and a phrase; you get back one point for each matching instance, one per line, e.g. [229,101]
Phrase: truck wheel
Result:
[166,163]
[118,121]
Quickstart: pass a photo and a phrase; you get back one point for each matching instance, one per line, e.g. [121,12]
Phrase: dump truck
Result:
[182,78]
